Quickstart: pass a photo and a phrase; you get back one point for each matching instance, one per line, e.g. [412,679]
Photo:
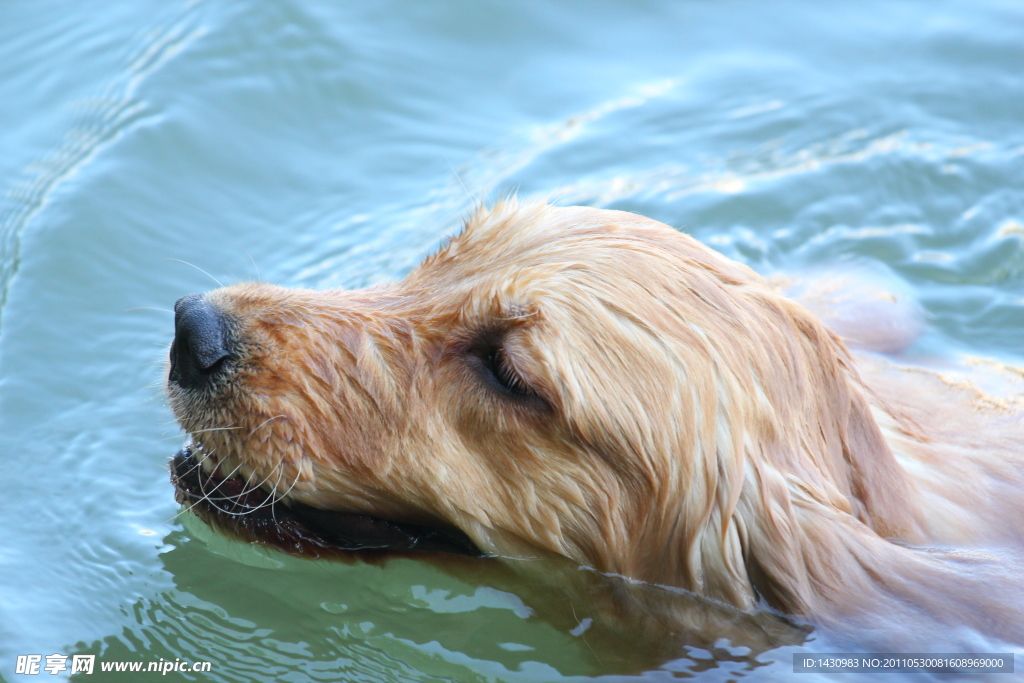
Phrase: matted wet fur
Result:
[596,386]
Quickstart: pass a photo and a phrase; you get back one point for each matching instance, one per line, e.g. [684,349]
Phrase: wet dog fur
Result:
[594,385]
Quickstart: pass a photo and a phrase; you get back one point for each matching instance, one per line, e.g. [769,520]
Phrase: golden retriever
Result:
[595,386]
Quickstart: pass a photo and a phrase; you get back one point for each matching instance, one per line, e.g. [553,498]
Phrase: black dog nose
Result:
[201,341]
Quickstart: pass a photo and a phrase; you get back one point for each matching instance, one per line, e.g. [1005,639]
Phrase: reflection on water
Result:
[323,144]
[268,614]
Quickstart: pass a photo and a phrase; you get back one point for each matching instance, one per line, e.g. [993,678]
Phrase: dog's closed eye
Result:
[504,372]
[497,366]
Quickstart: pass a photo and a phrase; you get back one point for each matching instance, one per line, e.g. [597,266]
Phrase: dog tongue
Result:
[350,530]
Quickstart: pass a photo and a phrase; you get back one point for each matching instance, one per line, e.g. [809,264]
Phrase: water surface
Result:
[151,149]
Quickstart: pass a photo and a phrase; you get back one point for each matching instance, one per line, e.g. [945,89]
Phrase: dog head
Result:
[587,383]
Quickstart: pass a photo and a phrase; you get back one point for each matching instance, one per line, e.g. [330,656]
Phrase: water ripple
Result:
[98,122]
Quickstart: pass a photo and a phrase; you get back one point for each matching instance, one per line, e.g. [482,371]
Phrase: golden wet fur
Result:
[684,425]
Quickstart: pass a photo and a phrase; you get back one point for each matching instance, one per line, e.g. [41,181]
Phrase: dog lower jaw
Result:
[253,514]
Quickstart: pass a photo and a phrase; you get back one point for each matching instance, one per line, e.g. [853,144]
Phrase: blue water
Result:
[151,149]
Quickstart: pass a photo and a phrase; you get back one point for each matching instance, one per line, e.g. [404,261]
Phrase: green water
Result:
[335,144]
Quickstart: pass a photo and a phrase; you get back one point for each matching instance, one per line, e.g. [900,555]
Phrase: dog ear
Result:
[794,448]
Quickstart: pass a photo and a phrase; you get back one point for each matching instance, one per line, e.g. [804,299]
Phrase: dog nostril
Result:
[201,340]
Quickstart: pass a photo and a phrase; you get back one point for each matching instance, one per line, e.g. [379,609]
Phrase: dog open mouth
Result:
[254,514]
